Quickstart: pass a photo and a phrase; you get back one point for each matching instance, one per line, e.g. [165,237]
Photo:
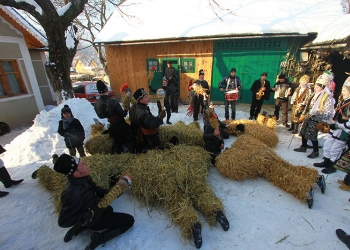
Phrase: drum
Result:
[231,95]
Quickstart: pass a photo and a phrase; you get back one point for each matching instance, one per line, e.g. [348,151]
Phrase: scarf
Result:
[66,122]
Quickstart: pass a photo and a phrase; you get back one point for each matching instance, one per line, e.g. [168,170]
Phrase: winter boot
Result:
[291,127]
[323,164]
[329,169]
[321,183]
[197,234]
[74,231]
[313,155]
[344,237]
[296,128]
[221,218]
[167,121]
[300,149]
[310,198]
[5,178]
[3,193]
[101,238]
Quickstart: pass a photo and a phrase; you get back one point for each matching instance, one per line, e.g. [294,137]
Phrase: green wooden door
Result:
[250,57]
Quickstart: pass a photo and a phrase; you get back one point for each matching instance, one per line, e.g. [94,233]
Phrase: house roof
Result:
[33,38]
[160,20]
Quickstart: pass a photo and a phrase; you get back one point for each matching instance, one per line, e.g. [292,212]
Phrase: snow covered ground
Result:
[261,215]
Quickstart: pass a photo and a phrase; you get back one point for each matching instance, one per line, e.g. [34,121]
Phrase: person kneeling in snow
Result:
[79,204]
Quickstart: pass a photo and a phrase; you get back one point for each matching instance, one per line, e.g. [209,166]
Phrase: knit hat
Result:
[139,93]
[201,72]
[282,76]
[233,70]
[66,164]
[66,109]
[324,79]
[304,78]
[264,74]
[346,84]
[165,79]
[101,87]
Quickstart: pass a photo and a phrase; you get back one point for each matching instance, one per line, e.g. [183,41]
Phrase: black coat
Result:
[108,107]
[145,117]
[212,143]
[78,197]
[74,135]
[256,87]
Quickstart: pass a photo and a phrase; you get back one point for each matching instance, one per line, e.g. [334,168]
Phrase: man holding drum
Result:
[230,85]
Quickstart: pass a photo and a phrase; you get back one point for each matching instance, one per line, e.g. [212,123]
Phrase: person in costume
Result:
[173,83]
[260,92]
[79,204]
[201,94]
[228,83]
[283,89]
[319,109]
[338,135]
[148,122]
[298,100]
[167,91]
[110,108]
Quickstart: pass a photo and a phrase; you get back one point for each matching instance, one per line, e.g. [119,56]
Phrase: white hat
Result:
[324,79]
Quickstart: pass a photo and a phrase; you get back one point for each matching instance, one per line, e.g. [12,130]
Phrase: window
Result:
[188,65]
[11,82]
[152,62]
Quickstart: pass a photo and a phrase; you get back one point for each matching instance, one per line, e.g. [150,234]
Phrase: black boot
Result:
[101,238]
[5,178]
[74,231]
[197,234]
[329,170]
[3,193]
[300,149]
[344,237]
[167,121]
[291,127]
[310,199]
[313,155]
[323,164]
[221,218]
[296,127]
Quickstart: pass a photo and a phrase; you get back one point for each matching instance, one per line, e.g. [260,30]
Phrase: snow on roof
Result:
[337,30]
[160,19]
[24,23]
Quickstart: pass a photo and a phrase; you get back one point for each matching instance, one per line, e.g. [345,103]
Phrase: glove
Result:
[97,212]
[125,181]
[333,126]
[162,114]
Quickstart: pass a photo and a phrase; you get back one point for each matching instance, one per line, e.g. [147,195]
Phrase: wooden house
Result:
[24,86]
[253,37]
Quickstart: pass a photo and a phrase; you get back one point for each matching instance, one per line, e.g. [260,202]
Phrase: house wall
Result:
[127,63]
[79,67]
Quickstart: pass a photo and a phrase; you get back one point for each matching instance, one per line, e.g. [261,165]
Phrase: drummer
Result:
[230,83]
[167,91]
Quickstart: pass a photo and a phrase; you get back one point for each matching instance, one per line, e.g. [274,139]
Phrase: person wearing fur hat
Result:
[148,122]
[5,177]
[110,108]
[259,86]
[318,109]
[228,83]
[338,135]
[299,100]
[72,131]
[79,204]
[167,91]
[200,96]
[283,89]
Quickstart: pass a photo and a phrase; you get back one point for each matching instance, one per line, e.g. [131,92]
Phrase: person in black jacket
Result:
[198,98]
[79,204]
[107,107]
[167,91]
[173,83]
[72,131]
[148,122]
[283,89]
[264,85]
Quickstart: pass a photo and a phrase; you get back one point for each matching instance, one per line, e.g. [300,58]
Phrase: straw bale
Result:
[271,122]
[99,144]
[97,129]
[248,157]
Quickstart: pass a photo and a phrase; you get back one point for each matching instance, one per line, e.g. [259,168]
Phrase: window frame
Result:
[5,84]
[186,60]
[149,67]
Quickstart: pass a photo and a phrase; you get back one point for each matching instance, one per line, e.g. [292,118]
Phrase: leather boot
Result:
[313,155]
[5,178]
[329,169]
[197,234]
[323,164]
[296,128]
[101,238]
[3,193]
[300,149]
[291,127]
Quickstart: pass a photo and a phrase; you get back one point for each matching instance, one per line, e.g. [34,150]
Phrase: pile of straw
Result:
[268,121]
[249,158]
[252,128]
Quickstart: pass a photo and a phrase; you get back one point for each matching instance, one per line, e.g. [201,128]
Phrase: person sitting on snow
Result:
[79,204]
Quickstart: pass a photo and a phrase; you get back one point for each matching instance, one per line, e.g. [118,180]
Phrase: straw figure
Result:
[250,158]
[127,100]
[267,120]
[174,179]
[252,128]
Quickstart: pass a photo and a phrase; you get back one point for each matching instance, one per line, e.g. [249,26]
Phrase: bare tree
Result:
[58,27]
[345,4]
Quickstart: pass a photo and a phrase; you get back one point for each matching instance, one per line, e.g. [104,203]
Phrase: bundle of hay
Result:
[252,128]
[267,120]
[249,157]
